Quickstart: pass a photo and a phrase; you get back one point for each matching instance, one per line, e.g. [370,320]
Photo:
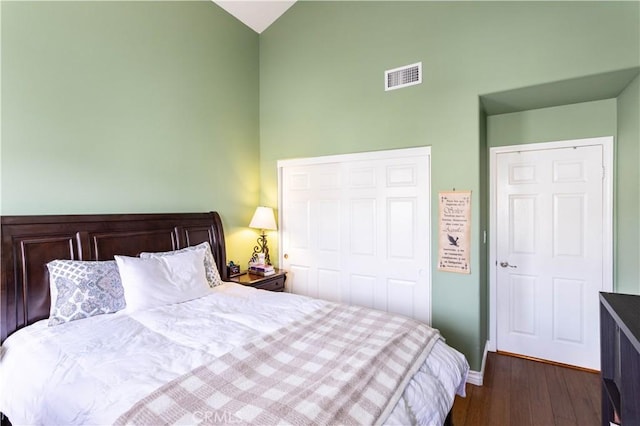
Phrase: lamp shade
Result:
[263,218]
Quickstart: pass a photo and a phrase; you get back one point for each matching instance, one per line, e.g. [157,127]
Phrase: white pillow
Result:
[159,281]
[210,267]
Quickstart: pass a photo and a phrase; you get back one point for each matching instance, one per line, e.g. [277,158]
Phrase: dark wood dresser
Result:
[620,358]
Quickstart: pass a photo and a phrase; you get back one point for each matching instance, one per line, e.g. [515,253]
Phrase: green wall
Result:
[175,106]
[321,92]
[627,213]
[124,107]
[576,121]
[483,244]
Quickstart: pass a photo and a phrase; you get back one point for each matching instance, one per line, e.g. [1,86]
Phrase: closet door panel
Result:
[356,229]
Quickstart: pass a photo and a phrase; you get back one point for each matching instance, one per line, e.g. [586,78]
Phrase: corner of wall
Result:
[627,192]
[477,377]
[483,158]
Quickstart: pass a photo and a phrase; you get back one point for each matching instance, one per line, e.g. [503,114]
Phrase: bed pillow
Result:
[211,270]
[82,289]
[156,281]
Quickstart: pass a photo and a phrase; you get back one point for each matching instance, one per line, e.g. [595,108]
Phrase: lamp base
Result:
[261,248]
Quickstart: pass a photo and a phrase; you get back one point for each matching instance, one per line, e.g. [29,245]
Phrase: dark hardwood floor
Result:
[521,392]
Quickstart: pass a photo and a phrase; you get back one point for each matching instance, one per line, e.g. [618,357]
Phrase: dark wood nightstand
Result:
[273,282]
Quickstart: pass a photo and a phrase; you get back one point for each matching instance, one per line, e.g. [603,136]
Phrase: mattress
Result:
[91,371]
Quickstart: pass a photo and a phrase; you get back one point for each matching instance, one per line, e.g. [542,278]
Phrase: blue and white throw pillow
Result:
[82,289]
[210,267]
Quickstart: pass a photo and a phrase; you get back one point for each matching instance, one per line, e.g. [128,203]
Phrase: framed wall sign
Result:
[454,232]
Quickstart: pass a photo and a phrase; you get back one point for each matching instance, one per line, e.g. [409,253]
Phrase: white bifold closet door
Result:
[356,229]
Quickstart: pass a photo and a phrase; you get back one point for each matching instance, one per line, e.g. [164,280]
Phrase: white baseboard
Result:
[477,377]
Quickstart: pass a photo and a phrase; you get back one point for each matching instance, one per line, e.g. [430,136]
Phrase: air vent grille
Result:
[409,75]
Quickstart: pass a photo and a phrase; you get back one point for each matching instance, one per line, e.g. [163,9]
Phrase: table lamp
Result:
[264,220]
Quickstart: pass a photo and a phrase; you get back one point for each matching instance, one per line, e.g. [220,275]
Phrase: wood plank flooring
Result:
[521,392]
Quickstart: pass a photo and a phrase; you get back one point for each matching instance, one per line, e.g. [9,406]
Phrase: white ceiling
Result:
[257,14]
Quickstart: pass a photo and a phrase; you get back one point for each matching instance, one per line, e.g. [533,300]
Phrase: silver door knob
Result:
[506,265]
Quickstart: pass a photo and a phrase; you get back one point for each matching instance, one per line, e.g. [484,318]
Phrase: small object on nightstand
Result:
[233,269]
[261,269]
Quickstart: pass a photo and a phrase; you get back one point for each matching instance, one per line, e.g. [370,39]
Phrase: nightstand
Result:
[273,282]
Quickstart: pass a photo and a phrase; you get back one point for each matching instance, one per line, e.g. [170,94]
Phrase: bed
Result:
[232,348]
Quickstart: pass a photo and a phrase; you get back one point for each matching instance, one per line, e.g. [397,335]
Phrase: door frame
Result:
[364,156]
[606,143]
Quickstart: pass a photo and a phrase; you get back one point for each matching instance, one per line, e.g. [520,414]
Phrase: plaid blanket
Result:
[338,365]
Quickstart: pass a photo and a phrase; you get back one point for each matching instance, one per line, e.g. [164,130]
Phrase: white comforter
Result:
[91,371]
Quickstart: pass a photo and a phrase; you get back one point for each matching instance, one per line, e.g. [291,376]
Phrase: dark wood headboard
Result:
[30,242]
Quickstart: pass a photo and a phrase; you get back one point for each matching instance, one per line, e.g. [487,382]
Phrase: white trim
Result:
[367,156]
[606,143]
[477,377]
[364,156]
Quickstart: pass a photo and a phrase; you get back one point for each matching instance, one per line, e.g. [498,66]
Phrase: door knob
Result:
[286,256]
[506,265]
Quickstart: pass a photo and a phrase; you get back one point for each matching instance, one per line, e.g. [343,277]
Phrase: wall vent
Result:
[397,78]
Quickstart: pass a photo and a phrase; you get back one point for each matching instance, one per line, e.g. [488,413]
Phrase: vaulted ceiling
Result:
[256,14]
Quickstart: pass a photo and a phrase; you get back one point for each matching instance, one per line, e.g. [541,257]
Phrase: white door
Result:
[355,229]
[550,253]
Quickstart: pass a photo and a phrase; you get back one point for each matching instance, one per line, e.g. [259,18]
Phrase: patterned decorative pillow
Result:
[210,268]
[82,289]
